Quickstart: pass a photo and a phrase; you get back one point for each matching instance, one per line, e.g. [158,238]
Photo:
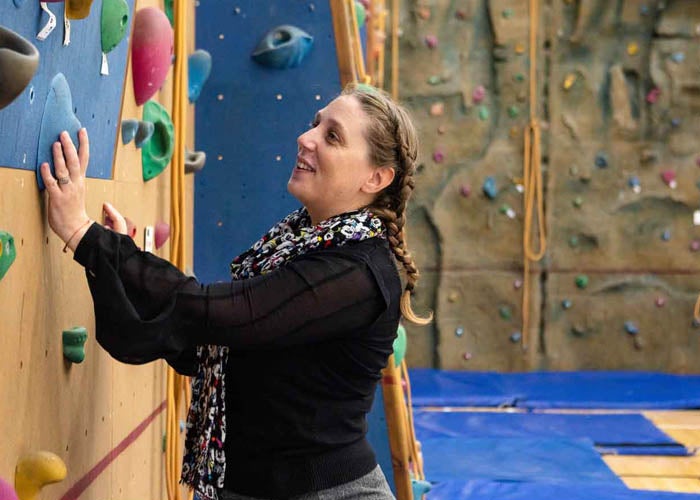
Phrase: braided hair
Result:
[393,142]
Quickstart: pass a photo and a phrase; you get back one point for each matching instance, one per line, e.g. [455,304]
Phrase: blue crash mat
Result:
[486,490]
[540,390]
[514,459]
[616,433]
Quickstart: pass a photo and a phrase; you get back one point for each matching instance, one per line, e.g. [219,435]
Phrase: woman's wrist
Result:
[77,235]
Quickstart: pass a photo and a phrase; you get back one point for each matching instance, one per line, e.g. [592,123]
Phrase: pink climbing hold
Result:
[431,41]
[660,301]
[653,95]
[438,156]
[437,109]
[465,190]
[7,492]
[151,52]
[669,178]
[695,245]
[162,231]
[478,94]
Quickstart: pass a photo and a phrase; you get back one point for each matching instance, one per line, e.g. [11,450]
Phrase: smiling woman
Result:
[317,300]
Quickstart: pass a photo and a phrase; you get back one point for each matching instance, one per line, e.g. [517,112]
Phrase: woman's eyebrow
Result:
[333,122]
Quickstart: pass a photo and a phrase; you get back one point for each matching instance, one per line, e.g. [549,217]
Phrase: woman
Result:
[316,302]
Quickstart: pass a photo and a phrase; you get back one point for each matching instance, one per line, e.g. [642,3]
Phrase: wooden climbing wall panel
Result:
[618,106]
[104,419]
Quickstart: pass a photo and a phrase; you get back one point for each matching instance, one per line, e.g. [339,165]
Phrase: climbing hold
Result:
[423,12]
[465,190]
[660,301]
[515,337]
[19,60]
[438,156]
[194,161]
[478,94]
[156,153]
[420,487]
[78,9]
[578,201]
[677,57]
[566,304]
[507,211]
[441,129]
[601,160]
[695,245]
[676,122]
[519,77]
[581,281]
[431,41]
[653,95]
[513,111]
[489,188]
[632,48]
[36,470]
[74,344]
[151,52]
[144,132]
[114,20]
[669,178]
[578,330]
[58,116]
[168,9]
[7,252]
[573,241]
[517,284]
[198,70]
[504,313]
[466,356]
[519,48]
[399,346]
[162,233]
[483,113]
[434,80]
[437,109]
[634,183]
[631,328]
[666,235]
[7,492]
[638,343]
[129,127]
[360,14]
[507,13]
[569,81]
[461,14]
[459,331]
[283,47]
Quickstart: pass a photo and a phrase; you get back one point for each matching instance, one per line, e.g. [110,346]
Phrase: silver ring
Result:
[64,180]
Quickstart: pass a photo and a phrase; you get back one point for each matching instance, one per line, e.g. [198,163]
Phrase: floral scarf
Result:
[204,464]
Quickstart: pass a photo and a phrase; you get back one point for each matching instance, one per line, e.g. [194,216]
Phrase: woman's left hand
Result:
[66,204]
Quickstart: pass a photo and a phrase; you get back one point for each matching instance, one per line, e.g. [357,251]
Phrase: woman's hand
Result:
[66,205]
[114,220]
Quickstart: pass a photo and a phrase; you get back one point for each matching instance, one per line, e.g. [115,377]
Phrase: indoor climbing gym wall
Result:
[73,420]
[597,120]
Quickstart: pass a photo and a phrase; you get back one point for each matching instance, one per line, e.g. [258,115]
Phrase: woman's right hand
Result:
[114,220]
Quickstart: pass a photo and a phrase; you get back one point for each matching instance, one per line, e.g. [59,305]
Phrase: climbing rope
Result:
[178,387]
[394,49]
[532,180]
[417,458]
[356,46]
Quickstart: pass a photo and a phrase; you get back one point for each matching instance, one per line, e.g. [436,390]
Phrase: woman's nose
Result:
[306,140]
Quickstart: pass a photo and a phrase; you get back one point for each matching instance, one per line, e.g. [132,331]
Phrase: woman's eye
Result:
[332,136]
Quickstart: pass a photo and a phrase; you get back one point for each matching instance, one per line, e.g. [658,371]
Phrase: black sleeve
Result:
[145,308]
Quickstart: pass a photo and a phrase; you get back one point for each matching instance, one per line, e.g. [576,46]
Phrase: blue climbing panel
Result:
[96,98]
[247,120]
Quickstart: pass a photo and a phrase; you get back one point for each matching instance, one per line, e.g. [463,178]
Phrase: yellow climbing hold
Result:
[632,48]
[569,81]
[519,48]
[35,470]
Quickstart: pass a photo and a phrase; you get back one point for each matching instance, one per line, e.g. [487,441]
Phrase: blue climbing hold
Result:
[459,331]
[676,122]
[601,160]
[198,70]
[633,181]
[678,57]
[666,235]
[129,127]
[144,132]
[515,337]
[284,47]
[420,487]
[566,304]
[631,328]
[489,187]
[58,116]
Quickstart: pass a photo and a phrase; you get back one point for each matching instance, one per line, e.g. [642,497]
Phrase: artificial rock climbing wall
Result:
[617,101]
[104,419]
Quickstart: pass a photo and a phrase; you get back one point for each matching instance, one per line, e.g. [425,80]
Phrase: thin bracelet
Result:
[65,248]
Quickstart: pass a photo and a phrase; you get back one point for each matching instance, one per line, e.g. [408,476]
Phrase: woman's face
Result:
[333,173]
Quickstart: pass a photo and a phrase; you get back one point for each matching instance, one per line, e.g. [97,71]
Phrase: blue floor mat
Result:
[542,390]
[514,459]
[486,490]
[612,433]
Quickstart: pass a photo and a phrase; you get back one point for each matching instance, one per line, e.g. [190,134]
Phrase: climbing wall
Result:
[617,103]
[103,419]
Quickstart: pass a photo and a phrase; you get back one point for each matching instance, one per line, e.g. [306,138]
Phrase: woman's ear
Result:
[381,178]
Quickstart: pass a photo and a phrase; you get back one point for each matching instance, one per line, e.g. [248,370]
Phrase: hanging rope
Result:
[356,46]
[178,387]
[532,180]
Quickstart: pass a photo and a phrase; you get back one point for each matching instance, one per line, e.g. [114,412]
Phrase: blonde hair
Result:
[393,142]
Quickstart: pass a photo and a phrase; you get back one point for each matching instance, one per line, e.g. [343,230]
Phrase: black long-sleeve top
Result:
[307,343]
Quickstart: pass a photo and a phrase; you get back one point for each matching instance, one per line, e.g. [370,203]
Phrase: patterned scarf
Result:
[204,464]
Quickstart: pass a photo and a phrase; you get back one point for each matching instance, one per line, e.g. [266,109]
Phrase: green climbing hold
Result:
[581,281]
[434,80]
[74,344]
[504,312]
[483,113]
[400,343]
[360,14]
[168,8]
[519,77]
[573,241]
[513,111]
[7,252]
[114,21]
[578,201]
[507,13]
[157,152]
